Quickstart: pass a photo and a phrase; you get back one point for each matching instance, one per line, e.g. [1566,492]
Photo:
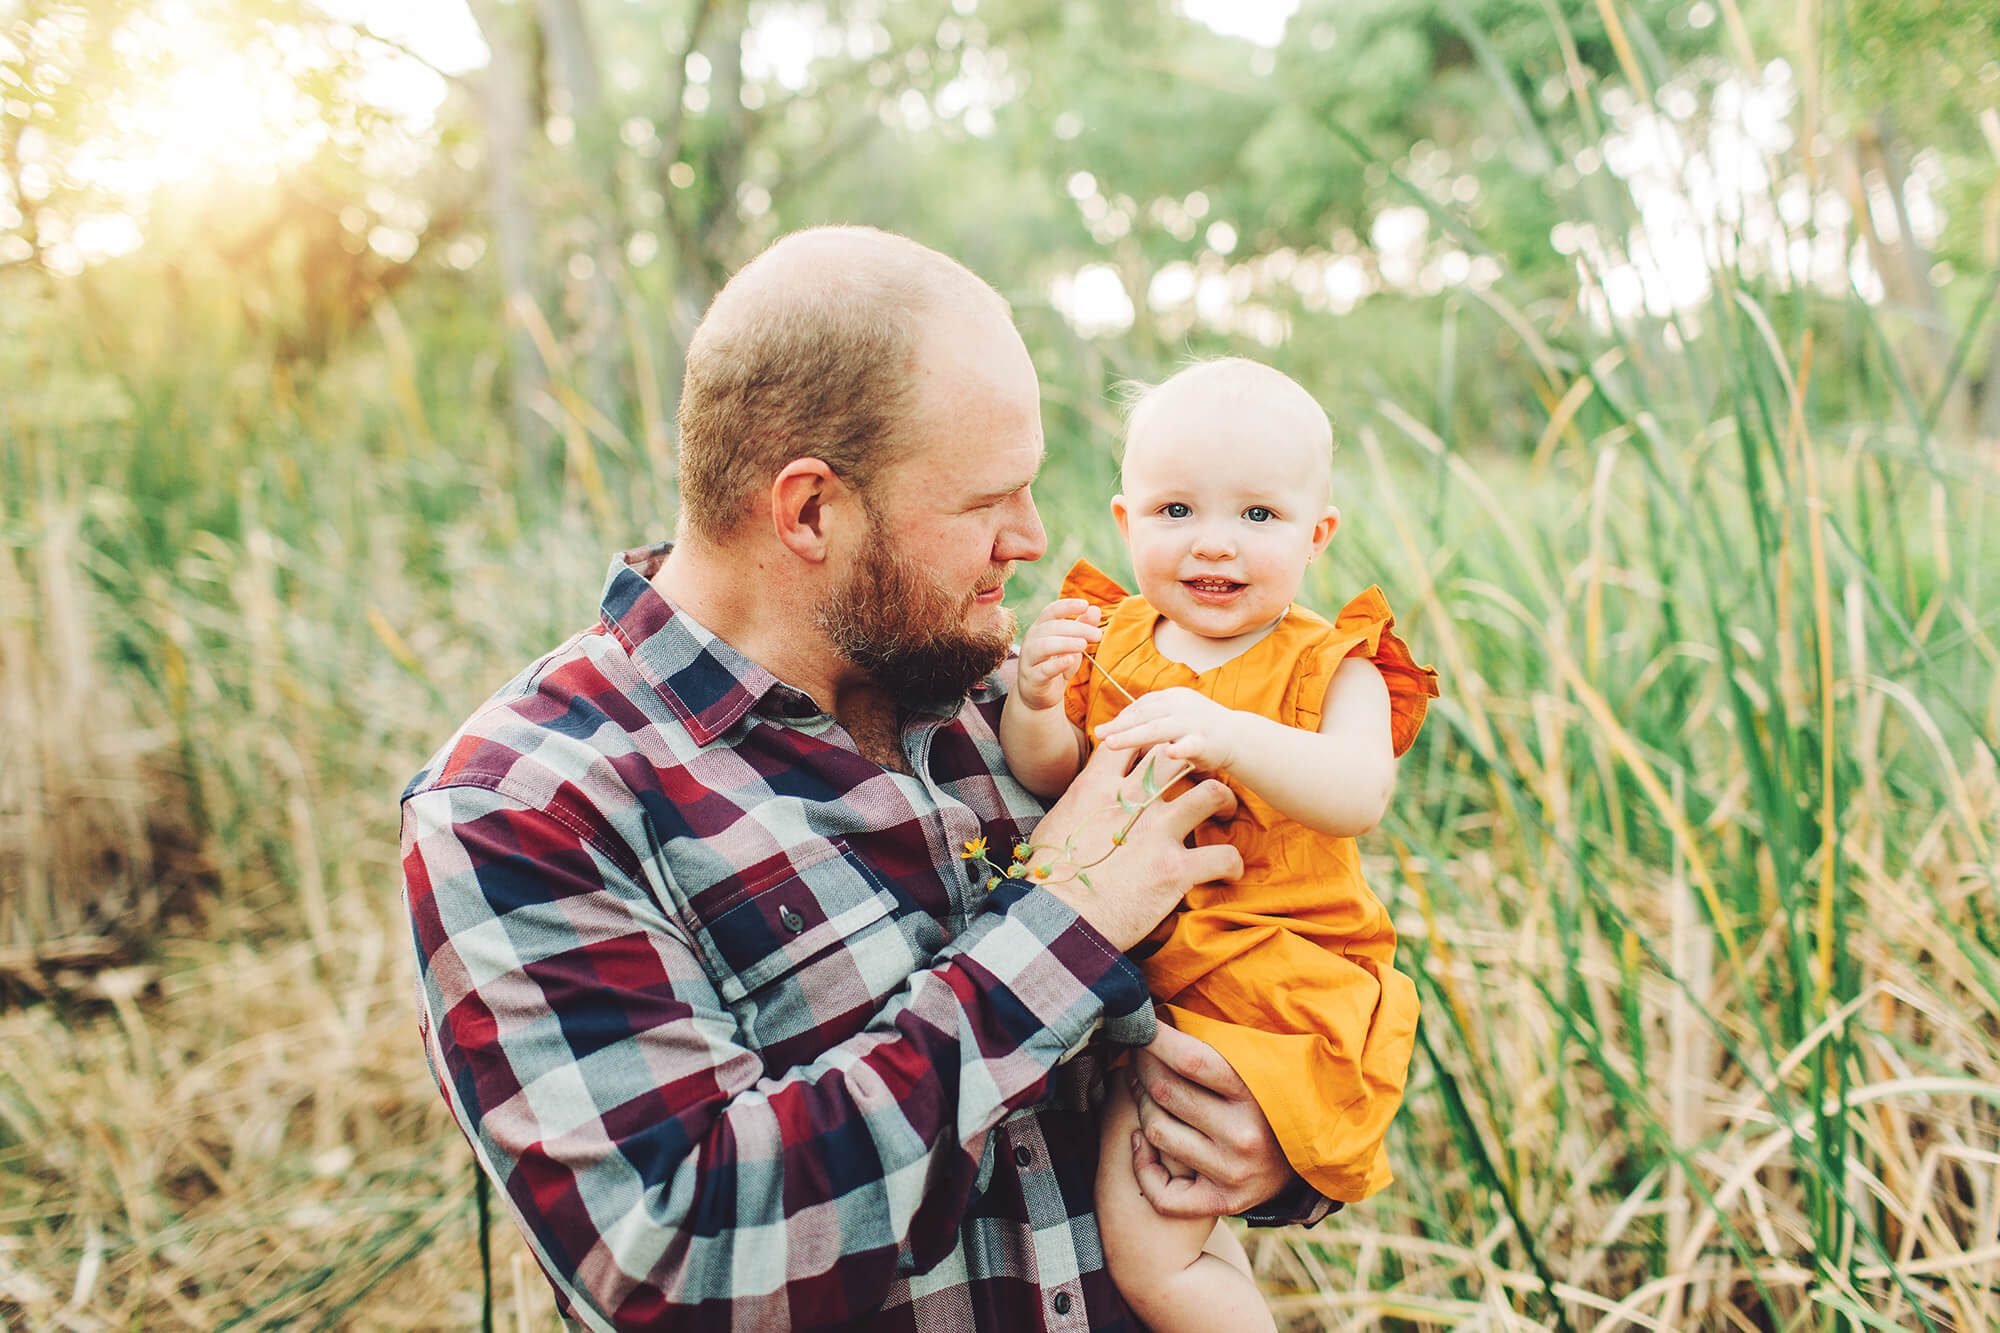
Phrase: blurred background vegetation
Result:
[339,344]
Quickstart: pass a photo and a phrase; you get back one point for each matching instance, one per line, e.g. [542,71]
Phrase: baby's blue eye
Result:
[1258,514]
[1176,510]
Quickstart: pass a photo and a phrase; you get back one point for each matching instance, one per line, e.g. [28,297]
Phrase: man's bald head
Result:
[808,352]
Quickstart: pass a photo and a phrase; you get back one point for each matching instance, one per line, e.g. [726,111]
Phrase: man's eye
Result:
[1258,514]
[1176,510]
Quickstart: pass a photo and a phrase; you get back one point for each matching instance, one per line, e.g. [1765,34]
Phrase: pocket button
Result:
[791,919]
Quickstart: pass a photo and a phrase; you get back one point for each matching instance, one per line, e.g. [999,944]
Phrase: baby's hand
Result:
[1052,650]
[1195,729]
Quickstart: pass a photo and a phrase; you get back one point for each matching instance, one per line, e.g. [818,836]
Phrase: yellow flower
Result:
[1040,872]
[976,847]
[1021,850]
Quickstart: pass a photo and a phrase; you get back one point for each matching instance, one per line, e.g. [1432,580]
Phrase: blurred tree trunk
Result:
[682,312]
[1904,264]
[708,226]
[505,97]
[594,152]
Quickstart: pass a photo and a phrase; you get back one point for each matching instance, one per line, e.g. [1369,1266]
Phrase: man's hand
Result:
[1052,650]
[1194,728]
[1138,882]
[1193,1108]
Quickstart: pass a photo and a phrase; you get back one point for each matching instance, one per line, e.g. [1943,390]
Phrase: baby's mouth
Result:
[1213,588]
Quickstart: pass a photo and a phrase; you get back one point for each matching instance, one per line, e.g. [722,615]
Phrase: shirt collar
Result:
[708,684]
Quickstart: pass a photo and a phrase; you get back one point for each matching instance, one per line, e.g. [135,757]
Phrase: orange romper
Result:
[1289,972]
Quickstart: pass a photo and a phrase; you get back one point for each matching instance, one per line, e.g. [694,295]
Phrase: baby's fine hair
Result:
[1132,395]
[1232,372]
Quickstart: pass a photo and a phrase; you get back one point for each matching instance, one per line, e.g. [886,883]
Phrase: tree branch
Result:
[675,123]
[408,53]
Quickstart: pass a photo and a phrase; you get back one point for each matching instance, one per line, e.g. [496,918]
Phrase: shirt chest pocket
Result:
[805,960]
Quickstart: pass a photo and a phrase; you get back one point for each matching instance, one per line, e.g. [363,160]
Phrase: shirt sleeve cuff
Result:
[1018,917]
[1297,1204]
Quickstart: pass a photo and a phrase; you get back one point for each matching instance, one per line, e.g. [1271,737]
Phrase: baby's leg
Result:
[1165,1267]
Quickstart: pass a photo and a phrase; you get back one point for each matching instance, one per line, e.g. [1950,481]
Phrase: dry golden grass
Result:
[95,836]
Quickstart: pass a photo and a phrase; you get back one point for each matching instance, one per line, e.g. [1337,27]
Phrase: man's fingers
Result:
[1208,799]
[1175,1137]
[1107,767]
[1191,1058]
[1164,1097]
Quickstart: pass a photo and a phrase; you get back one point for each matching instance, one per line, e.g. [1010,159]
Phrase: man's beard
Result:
[907,633]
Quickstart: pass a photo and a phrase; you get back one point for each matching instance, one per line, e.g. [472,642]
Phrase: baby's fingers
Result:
[1055,666]
[1049,668]
[1068,608]
[1074,629]
[1141,714]
[1138,736]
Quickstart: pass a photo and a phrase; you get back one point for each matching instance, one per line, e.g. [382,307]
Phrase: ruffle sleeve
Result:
[1365,628]
[1093,585]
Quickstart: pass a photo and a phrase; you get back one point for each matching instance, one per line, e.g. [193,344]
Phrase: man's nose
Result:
[1022,536]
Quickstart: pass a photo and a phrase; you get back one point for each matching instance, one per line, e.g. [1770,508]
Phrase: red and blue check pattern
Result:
[742,1039]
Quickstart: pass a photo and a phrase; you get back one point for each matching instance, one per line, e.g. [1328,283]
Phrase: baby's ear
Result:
[1329,523]
[1121,515]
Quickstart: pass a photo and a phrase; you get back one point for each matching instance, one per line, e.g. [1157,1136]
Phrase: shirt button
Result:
[1022,1157]
[793,921]
[1062,1302]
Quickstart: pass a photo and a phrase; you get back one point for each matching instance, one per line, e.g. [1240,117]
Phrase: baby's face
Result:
[1225,503]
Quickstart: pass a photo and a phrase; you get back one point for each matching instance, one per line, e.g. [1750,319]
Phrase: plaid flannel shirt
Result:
[743,1040]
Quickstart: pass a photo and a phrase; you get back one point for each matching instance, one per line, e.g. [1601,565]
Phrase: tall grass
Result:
[1700,883]
[1695,863]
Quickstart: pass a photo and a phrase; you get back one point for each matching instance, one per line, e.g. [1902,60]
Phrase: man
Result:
[706,975]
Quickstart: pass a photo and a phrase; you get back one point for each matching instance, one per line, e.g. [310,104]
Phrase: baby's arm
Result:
[1336,779]
[1043,747]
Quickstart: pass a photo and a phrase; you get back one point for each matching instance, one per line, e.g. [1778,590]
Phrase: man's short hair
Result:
[808,352]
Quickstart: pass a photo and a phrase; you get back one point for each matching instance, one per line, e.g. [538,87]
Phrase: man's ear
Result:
[801,495]
[1323,531]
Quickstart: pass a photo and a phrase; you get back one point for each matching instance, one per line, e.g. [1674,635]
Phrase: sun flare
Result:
[199,107]
[193,100]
